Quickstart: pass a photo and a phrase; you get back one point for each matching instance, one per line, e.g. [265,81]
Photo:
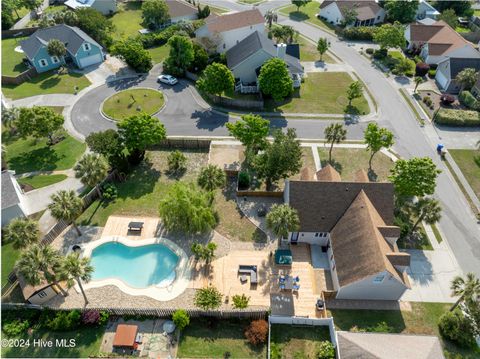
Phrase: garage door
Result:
[441,79]
[87,61]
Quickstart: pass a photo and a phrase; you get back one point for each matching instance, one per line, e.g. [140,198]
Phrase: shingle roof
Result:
[9,195]
[328,174]
[71,36]
[361,176]
[234,21]
[180,8]
[366,9]
[459,64]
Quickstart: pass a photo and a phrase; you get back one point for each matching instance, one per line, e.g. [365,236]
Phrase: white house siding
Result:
[425,10]
[233,37]
[389,289]
[442,75]
[380,17]
[106,7]
[333,269]
[332,14]
[310,238]
[245,70]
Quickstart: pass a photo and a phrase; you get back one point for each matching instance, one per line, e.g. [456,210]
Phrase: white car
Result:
[167,79]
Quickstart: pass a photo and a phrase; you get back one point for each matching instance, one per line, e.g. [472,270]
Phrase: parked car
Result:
[167,79]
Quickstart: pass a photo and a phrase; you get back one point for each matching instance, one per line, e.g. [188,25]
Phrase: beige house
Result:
[368,12]
[181,11]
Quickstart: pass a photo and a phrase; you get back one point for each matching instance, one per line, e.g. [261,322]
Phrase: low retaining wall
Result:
[21,78]
[188,143]
[237,103]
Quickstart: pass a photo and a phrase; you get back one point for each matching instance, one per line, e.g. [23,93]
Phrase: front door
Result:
[294,238]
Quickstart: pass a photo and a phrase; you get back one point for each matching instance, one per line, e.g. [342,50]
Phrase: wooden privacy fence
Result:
[20,78]
[8,34]
[186,143]
[238,103]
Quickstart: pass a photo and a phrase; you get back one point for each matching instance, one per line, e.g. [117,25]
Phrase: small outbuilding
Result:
[38,294]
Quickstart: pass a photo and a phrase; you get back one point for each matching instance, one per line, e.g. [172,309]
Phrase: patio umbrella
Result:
[169,327]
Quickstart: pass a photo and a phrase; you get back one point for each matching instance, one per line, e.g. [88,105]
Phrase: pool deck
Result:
[118,226]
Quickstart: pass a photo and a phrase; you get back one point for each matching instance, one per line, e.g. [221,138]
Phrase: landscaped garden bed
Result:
[130,102]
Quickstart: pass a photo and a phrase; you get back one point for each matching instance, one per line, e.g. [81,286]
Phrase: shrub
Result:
[455,327]
[90,317]
[370,51]
[104,316]
[427,100]
[358,33]
[421,69]
[109,192]
[243,180]
[453,117]
[467,99]
[63,320]
[326,350]
[257,332]
[418,59]
[380,54]
[447,99]
[208,298]
[240,301]
[177,161]
[432,73]
[181,319]
[15,327]
[381,327]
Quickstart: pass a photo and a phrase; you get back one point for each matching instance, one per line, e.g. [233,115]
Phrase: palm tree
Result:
[270,17]
[335,133]
[38,263]
[468,289]
[22,232]
[73,268]
[67,206]
[428,210]
[9,116]
[211,177]
[282,219]
[418,81]
[92,169]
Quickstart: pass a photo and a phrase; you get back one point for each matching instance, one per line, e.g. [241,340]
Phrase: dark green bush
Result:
[109,191]
[326,350]
[455,327]
[432,73]
[243,180]
[63,320]
[358,33]
[457,117]
[15,327]
[380,54]
[467,99]
[370,51]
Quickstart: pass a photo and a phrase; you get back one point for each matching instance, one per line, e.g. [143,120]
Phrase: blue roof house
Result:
[82,50]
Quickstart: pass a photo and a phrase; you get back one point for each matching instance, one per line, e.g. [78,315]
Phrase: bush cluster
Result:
[380,54]
[109,191]
[421,69]
[15,327]
[181,319]
[427,100]
[457,117]
[358,33]
[455,327]
[62,320]
[467,99]
[94,317]
[243,180]
[447,99]
[432,73]
[370,51]
[257,332]
[326,350]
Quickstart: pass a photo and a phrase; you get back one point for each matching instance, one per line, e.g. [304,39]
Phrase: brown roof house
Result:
[368,12]
[181,11]
[221,33]
[353,222]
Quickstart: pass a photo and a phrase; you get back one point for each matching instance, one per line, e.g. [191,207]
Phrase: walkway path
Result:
[22,23]
[320,66]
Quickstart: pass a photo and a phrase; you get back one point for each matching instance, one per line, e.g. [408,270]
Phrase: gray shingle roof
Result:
[9,195]
[71,36]
[459,64]
[253,43]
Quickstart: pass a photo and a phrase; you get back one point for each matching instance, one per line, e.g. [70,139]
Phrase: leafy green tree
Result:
[354,91]
[155,13]
[334,133]
[8,7]
[284,33]
[274,79]
[300,3]
[418,80]
[466,78]
[390,36]
[466,289]
[73,268]
[181,55]
[349,16]
[66,206]
[31,4]
[200,59]
[92,169]
[56,48]
[204,252]
[177,162]
[211,177]
[401,11]
[10,116]
[377,138]
[216,79]
[93,23]
[109,144]
[39,122]
[181,319]
[461,7]
[280,159]
[133,53]
[403,66]
[251,131]
[208,298]
[185,208]
[322,46]
[282,219]
[21,232]
[428,210]
[203,12]
[449,16]
[414,177]
[140,131]
[240,301]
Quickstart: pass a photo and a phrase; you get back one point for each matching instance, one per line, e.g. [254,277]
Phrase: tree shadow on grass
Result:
[298,16]
[49,83]
[41,159]
[372,176]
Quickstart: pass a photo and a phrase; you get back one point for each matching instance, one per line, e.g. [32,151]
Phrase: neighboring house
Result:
[106,7]
[38,294]
[425,10]
[449,68]
[353,223]
[352,345]
[368,12]
[13,200]
[82,50]
[181,11]
[221,33]
[437,42]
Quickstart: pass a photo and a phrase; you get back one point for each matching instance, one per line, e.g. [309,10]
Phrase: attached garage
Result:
[90,60]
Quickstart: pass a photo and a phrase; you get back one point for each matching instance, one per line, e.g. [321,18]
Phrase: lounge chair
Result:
[251,270]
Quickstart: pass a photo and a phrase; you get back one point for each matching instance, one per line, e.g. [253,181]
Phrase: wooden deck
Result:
[118,226]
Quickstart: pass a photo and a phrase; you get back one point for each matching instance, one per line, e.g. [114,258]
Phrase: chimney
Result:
[281,50]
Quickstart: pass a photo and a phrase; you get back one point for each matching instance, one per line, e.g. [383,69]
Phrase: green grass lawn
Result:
[307,13]
[47,83]
[159,53]
[12,64]
[212,339]
[27,155]
[321,92]
[87,344]
[469,163]
[127,20]
[296,342]
[9,257]
[41,180]
[462,29]
[309,52]
[217,10]
[129,102]
[422,319]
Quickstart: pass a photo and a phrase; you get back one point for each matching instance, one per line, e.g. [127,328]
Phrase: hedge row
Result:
[467,99]
[457,117]
[358,33]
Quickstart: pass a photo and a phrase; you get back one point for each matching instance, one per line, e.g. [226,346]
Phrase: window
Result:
[316,234]
[43,62]
[86,46]
[224,46]
[42,294]
[55,59]
[379,279]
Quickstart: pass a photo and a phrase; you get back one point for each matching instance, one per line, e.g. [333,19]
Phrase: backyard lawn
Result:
[9,257]
[469,163]
[322,93]
[127,20]
[41,180]
[47,83]
[129,102]
[216,338]
[309,52]
[159,53]
[288,341]
[27,155]
[308,12]
[12,64]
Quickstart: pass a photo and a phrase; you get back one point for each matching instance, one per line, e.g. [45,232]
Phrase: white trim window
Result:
[86,46]
[55,59]
[43,62]
[379,279]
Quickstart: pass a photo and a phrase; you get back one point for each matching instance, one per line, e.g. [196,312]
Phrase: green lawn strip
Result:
[129,102]
[436,233]
[9,257]
[87,344]
[407,99]
[309,52]
[41,180]
[127,20]
[217,9]
[28,155]
[307,13]
[422,319]
[47,83]
[159,53]
[12,64]
[214,338]
[365,87]
[321,93]
[296,342]
[462,29]
[469,163]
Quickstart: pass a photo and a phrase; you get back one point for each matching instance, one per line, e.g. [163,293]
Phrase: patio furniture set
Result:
[287,282]
[245,270]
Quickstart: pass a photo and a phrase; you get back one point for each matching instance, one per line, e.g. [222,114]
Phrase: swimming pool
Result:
[138,267]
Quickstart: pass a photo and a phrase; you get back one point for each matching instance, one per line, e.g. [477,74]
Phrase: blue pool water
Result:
[139,267]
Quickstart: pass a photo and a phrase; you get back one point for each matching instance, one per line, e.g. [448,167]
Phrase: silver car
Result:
[167,79]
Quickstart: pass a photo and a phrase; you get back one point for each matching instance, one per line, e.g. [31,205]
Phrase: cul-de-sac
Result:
[274,179]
